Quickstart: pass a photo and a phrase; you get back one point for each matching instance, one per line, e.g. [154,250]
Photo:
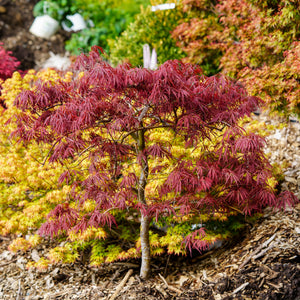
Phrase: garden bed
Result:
[262,264]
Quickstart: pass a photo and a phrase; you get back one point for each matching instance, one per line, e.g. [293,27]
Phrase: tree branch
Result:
[48,154]
[121,285]
[145,129]
[143,113]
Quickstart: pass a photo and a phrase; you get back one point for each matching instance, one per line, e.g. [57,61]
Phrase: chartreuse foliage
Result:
[28,188]
[256,42]
[159,149]
[151,28]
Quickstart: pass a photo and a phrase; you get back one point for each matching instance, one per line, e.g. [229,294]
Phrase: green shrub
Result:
[151,28]
[106,19]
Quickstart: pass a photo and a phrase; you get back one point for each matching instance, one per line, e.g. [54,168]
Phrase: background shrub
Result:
[255,42]
[151,28]
[106,19]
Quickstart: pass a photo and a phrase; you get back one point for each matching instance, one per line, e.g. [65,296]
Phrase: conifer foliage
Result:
[127,123]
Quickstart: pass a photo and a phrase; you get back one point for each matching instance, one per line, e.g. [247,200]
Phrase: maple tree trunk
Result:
[145,220]
[145,247]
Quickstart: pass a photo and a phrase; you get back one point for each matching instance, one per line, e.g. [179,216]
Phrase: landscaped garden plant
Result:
[28,188]
[58,9]
[8,64]
[158,148]
[256,42]
[105,19]
[152,28]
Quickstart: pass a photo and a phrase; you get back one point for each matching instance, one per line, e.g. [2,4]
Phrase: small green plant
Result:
[106,19]
[153,28]
[57,9]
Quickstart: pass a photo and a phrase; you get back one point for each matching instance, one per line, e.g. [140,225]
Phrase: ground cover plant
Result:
[256,42]
[157,149]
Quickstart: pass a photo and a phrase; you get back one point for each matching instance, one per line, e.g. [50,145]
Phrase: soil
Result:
[15,20]
[263,263]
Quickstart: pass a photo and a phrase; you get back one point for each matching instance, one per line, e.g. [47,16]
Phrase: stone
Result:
[35,255]
[21,262]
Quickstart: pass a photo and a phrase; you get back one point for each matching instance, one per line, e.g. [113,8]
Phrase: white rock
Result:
[6,255]
[35,255]
[21,262]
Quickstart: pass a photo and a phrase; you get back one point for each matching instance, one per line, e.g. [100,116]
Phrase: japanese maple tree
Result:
[255,42]
[128,123]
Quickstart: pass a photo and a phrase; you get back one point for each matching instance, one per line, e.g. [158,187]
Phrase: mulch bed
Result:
[262,264]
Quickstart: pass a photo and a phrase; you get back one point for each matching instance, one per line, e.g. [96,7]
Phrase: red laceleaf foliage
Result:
[252,39]
[108,115]
[8,64]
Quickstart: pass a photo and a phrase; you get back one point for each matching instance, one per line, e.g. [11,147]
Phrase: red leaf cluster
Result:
[195,241]
[61,219]
[8,63]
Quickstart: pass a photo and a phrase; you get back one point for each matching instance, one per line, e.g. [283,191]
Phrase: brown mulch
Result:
[262,264]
